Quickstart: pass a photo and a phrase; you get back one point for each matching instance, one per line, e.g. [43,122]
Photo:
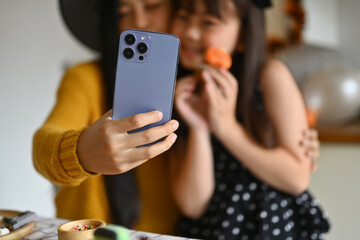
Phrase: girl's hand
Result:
[191,107]
[221,89]
[106,148]
[311,144]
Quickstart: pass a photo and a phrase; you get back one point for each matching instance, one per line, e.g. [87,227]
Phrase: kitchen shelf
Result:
[341,134]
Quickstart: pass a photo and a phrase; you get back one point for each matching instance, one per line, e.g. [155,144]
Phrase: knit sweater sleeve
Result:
[80,102]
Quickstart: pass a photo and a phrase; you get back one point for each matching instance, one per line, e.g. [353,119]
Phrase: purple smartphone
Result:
[145,74]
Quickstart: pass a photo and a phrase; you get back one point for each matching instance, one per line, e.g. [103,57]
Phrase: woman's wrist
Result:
[80,153]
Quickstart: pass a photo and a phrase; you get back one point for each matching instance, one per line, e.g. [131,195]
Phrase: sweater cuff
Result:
[68,155]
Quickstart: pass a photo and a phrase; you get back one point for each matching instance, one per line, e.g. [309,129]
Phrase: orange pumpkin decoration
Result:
[312,117]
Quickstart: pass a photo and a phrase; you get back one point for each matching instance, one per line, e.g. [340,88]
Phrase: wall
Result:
[322,23]
[349,31]
[336,185]
[277,25]
[34,46]
[334,24]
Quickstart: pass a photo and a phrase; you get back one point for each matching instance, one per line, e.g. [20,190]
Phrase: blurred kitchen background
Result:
[36,48]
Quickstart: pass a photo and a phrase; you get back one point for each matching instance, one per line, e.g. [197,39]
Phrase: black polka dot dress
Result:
[244,208]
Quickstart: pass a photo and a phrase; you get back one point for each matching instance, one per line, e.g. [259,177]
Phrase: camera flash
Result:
[142,38]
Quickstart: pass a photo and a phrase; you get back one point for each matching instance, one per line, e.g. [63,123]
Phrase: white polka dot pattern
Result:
[245,208]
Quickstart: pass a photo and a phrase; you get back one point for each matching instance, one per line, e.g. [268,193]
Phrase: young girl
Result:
[238,171]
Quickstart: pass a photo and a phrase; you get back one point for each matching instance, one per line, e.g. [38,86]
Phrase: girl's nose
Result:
[193,32]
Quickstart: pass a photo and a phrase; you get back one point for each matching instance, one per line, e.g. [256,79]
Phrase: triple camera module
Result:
[136,47]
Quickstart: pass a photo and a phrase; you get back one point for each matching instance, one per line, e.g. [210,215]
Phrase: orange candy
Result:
[217,57]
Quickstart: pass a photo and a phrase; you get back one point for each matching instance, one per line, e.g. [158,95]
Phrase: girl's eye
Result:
[208,23]
[182,16]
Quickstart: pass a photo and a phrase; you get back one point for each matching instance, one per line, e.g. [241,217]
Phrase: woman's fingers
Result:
[151,135]
[127,158]
[148,152]
[136,121]
[106,148]
[137,156]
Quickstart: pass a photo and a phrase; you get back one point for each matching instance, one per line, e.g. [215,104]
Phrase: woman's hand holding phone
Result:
[134,132]
[106,148]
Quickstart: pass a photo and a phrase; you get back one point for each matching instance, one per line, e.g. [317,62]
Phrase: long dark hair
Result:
[122,190]
[247,65]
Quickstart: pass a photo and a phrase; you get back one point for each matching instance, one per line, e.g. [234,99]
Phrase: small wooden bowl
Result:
[64,232]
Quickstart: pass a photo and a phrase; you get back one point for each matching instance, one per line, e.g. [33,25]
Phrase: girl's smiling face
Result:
[199,29]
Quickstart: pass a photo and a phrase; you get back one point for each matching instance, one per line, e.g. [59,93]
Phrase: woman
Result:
[83,150]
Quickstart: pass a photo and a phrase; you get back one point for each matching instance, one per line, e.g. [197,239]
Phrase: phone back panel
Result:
[147,84]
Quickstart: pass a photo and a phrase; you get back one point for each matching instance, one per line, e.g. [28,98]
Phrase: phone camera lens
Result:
[128,53]
[130,39]
[142,47]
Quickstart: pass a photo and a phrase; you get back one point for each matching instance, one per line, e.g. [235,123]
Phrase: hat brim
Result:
[83,19]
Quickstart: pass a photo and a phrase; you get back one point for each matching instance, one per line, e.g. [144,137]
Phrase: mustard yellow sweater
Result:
[80,102]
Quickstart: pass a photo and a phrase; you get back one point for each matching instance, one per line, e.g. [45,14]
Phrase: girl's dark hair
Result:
[247,65]
[122,190]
